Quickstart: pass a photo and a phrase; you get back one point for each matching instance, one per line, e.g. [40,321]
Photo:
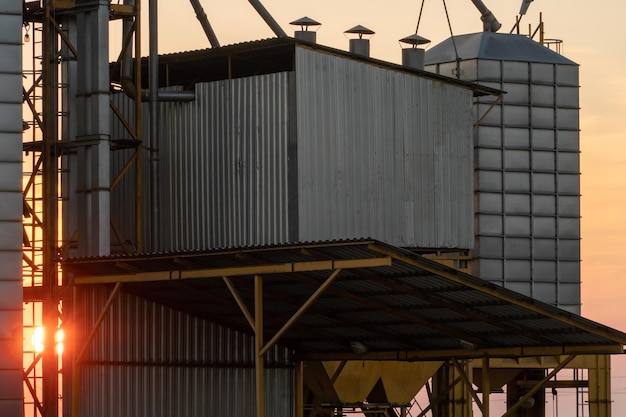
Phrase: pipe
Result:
[126,76]
[153,139]
[490,23]
[262,11]
[204,22]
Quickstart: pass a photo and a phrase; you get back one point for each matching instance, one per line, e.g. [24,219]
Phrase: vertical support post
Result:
[299,389]
[138,132]
[258,345]
[600,387]
[50,372]
[75,398]
[153,143]
[486,386]
[462,398]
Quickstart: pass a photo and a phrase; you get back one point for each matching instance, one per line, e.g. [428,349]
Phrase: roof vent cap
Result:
[413,56]
[360,45]
[304,33]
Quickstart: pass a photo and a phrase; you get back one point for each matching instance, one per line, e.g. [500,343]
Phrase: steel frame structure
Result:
[47,144]
[459,362]
[42,248]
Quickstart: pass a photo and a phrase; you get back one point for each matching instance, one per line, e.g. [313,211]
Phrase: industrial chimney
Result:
[304,33]
[359,45]
[413,56]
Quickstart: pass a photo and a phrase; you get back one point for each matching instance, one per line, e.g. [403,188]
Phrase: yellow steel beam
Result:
[240,302]
[64,37]
[494,104]
[124,122]
[486,384]
[299,388]
[75,379]
[319,291]
[122,10]
[99,321]
[511,352]
[491,289]
[538,386]
[258,345]
[468,383]
[434,401]
[600,387]
[282,268]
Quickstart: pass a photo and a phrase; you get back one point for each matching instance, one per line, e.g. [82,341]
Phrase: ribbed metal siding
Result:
[528,182]
[382,154]
[150,360]
[223,166]
[11,366]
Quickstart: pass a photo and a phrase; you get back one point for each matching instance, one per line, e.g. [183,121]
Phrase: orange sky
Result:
[590,34]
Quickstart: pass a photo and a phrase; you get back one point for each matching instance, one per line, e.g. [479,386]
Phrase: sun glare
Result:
[38,338]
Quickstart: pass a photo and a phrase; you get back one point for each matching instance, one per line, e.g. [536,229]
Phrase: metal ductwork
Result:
[267,17]
[126,76]
[524,8]
[204,22]
[490,23]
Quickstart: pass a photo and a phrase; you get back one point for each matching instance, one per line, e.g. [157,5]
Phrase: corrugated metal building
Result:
[527,163]
[319,145]
[11,367]
[149,359]
[284,142]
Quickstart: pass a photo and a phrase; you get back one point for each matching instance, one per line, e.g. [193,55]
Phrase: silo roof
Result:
[494,46]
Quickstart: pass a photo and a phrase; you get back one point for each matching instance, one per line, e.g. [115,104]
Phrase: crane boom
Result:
[490,23]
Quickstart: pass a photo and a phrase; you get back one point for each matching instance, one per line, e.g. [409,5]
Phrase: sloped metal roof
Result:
[259,57]
[494,46]
[400,305]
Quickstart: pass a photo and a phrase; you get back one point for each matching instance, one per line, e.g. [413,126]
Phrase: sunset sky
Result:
[590,32]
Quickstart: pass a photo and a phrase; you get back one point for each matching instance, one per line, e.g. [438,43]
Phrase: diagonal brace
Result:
[239,301]
[539,386]
[301,310]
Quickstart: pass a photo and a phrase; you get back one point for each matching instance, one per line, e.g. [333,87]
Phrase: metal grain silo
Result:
[11,362]
[526,163]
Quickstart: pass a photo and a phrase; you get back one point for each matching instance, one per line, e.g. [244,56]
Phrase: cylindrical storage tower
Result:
[11,363]
[527,179]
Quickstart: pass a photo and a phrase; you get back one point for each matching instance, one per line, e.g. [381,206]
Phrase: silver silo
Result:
[11,314]
[526,163]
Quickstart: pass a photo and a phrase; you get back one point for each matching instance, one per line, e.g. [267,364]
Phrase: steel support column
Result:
[486,387]
[258,345]
[50,371]
[299,389]
[600,387]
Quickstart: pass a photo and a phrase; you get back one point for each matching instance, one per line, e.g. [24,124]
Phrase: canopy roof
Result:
[319,298]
